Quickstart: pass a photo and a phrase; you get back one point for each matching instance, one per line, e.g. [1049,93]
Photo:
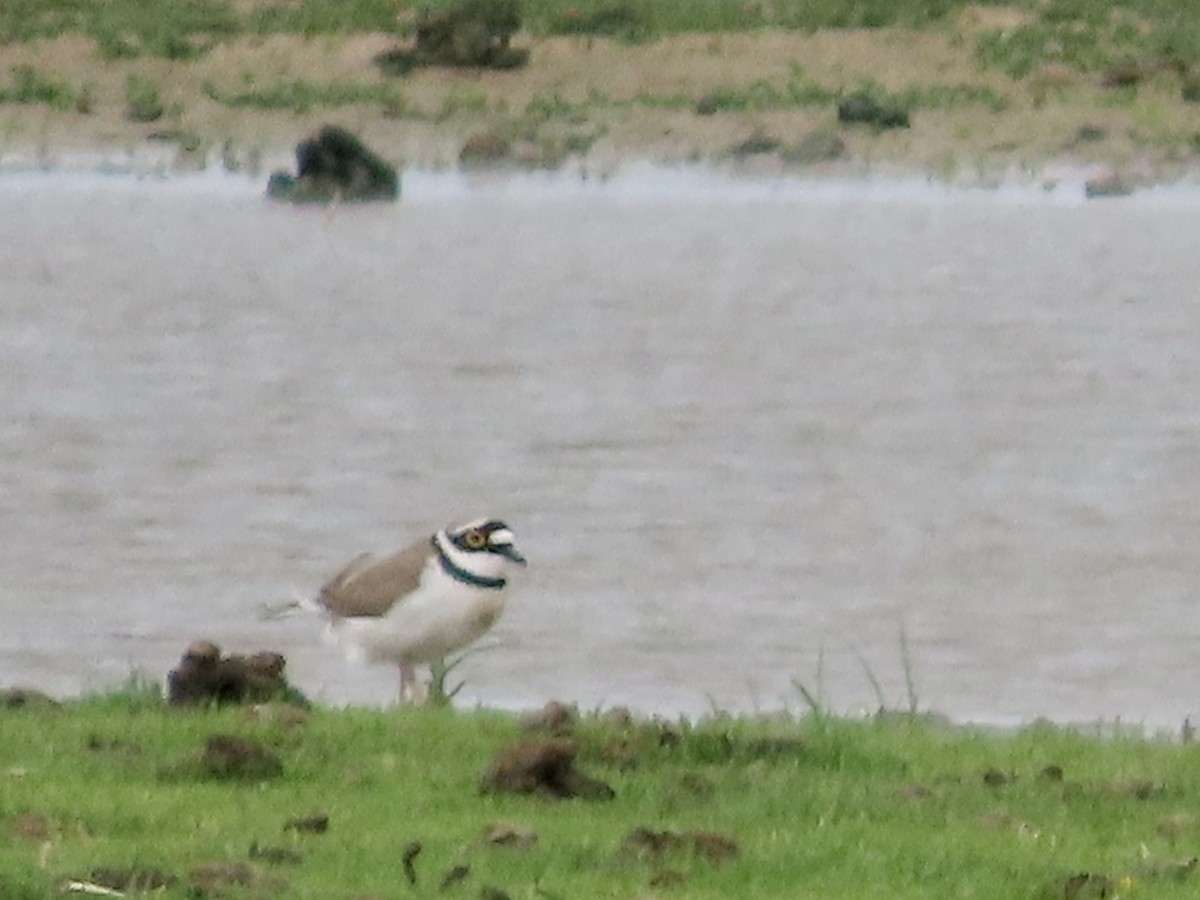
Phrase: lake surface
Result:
[749,432]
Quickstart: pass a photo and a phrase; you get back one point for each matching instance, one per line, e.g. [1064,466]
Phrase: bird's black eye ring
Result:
[475,540]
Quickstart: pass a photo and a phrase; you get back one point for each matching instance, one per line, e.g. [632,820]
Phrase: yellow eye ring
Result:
[475,540]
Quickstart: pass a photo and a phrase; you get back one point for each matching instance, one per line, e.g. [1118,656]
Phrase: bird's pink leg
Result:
[408,678]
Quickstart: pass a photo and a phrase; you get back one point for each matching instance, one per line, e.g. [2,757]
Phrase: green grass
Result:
[897,806]
[30,86]
[1086,34]
[302,96]
[143,100]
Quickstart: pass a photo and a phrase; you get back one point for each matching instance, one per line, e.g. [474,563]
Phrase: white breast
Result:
[442,615]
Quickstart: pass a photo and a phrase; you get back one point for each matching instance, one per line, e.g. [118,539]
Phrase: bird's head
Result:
[485,536]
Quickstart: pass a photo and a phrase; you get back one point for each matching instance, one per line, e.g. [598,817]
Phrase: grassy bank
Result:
[120,787]
[1085,33]
[983,85]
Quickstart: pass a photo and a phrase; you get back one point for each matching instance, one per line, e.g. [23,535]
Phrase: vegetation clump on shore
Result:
[129,794]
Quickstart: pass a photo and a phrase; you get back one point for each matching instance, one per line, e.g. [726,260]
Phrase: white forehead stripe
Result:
[501,536]
[468,526]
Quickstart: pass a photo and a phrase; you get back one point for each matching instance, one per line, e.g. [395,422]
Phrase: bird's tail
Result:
[268,612]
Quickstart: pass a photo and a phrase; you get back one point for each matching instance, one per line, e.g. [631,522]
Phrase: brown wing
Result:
[367,588]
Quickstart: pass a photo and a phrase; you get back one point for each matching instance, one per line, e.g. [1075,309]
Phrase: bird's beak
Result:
[511,552]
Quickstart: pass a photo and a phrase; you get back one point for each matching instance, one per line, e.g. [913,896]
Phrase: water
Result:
[748,432]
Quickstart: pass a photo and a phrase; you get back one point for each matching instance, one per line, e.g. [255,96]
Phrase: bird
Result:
[423,602]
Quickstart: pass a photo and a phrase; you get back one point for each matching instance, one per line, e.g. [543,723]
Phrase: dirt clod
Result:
[653,844]
[408,859]
[228,757]
[31,826]
[205,676]
[509,834]
[453,876]
[315,823]
[545,768]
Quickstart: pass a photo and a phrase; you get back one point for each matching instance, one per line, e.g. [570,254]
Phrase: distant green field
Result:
[1085,34]
[113,788]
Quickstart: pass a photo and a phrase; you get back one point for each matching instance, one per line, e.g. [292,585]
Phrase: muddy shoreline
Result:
[597,104]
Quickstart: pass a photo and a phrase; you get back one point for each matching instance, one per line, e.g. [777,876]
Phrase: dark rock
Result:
[546,768]
[316,823]
[204,676]
[228,757]
[864,109]
[333,165]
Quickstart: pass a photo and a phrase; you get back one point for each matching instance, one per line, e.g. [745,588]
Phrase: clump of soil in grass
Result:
[31,826]
[994,778]
[229,758]
[453,876]
[314,823]
[408,860]
[509,834]
[545,768]
[228,878]
[863,109]
[652,844]
[205,676]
